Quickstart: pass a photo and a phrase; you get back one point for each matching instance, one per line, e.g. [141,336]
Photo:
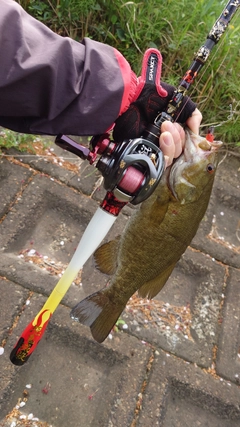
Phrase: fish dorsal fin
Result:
[151,288]
[106,256]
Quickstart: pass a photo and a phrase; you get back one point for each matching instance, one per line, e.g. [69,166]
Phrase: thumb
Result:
[194,121]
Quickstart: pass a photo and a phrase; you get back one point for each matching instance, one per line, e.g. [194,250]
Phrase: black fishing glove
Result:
[151,98]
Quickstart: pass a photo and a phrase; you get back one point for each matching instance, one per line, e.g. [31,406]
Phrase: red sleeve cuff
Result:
[130,82]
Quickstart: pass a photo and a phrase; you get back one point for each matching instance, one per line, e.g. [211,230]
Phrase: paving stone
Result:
[11,301]
[229,170]
[76,173]
[50,206]
[219,232]
[84,179]
[12,179]
[103,383]
[228,355]
[27,275]
[50,220]
[183,318]
[179,394]
[49,215]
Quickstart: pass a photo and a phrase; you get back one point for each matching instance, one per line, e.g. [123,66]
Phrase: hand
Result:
[151,97]
[172,139]
[145,109]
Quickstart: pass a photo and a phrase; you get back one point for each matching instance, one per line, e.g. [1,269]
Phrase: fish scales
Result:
[155,237]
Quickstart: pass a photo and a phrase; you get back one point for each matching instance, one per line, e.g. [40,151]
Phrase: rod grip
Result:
[27,343]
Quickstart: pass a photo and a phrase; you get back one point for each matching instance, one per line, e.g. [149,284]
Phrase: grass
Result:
[20,141]
[177,29]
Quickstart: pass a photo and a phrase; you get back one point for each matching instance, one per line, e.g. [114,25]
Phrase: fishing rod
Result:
[131,171]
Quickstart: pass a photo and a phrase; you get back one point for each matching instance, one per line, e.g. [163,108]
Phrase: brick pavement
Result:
[178,361]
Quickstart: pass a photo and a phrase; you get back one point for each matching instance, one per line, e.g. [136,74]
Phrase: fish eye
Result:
[210,168]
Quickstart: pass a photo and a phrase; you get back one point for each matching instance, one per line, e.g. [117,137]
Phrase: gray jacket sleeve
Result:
[51,84]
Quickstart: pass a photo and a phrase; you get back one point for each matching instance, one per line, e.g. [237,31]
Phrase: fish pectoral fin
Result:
[106,256]
[151,288]
[98,312]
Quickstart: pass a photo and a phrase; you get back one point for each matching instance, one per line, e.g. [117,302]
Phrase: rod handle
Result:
[28,341]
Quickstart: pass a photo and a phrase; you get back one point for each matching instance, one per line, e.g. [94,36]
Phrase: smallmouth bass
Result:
[155,237]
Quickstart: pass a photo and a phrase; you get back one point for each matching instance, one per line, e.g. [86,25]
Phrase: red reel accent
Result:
[111,204]
[130,183]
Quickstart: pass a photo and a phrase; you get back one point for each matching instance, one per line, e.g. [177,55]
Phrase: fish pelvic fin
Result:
[106,256]
[151,288]
[98,312]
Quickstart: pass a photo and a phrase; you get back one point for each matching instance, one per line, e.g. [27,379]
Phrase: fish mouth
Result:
[196,149]
[198,145]
[205,145]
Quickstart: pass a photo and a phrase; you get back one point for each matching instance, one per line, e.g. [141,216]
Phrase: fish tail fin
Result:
[98,312]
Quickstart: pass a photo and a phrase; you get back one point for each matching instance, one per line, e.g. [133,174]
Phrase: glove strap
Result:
[151,73]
